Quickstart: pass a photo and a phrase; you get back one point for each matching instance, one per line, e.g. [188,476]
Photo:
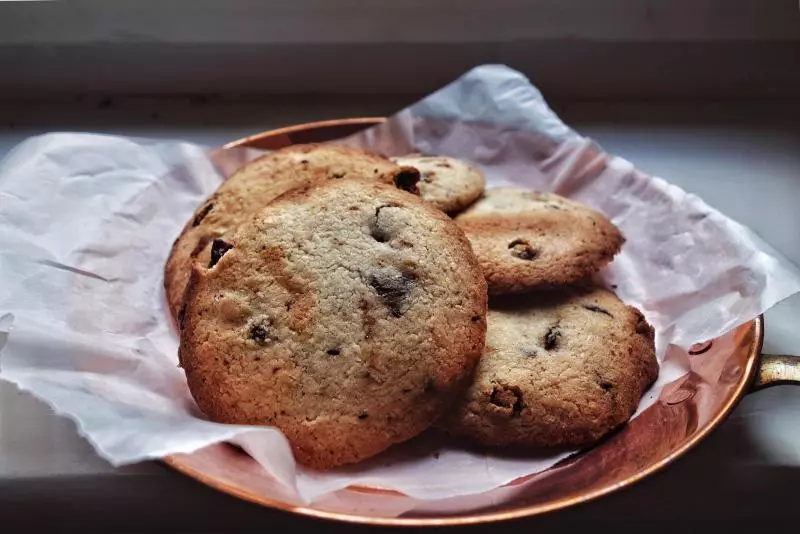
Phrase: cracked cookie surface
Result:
[526,240]
[256,184]
[559,369]
[349,315]
[448,183]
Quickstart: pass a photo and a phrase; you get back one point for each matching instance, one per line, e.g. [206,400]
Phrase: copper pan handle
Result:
[776,369]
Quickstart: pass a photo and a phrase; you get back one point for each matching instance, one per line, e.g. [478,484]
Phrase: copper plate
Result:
[687,411]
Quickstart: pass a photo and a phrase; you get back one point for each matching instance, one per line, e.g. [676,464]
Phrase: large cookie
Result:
[448,183]
[559,369]
[529,240]
[255,185]
[348,315]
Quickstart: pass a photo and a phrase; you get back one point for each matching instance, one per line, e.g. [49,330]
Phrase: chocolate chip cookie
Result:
[448,183]
[349,315]
[559,369]
[528,240]
[258,183]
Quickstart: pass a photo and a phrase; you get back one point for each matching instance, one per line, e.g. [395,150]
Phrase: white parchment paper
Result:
[86,223]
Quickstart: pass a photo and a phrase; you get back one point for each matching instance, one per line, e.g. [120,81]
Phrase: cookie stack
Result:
[567,362]
[328,292]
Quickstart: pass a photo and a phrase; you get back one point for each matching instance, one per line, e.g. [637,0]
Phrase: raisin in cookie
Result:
[348,315]
[529,240]
[560,369]
[448,183]
[256,184]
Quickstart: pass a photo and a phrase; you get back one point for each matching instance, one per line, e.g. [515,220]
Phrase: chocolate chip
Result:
[200,246]
[202,215]
[378,231]
[429,386]
[407,179]
[259,332]
[363,415]
[394,288]
[551,338]
[218,249]
[182,316]
[597,309]
[507,400]
[522,249]
[334,352]
[642,326]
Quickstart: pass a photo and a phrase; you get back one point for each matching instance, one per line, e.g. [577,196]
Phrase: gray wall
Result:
[569,48]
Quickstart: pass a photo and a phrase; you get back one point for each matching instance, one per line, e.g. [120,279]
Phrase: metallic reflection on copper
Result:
[686,412]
